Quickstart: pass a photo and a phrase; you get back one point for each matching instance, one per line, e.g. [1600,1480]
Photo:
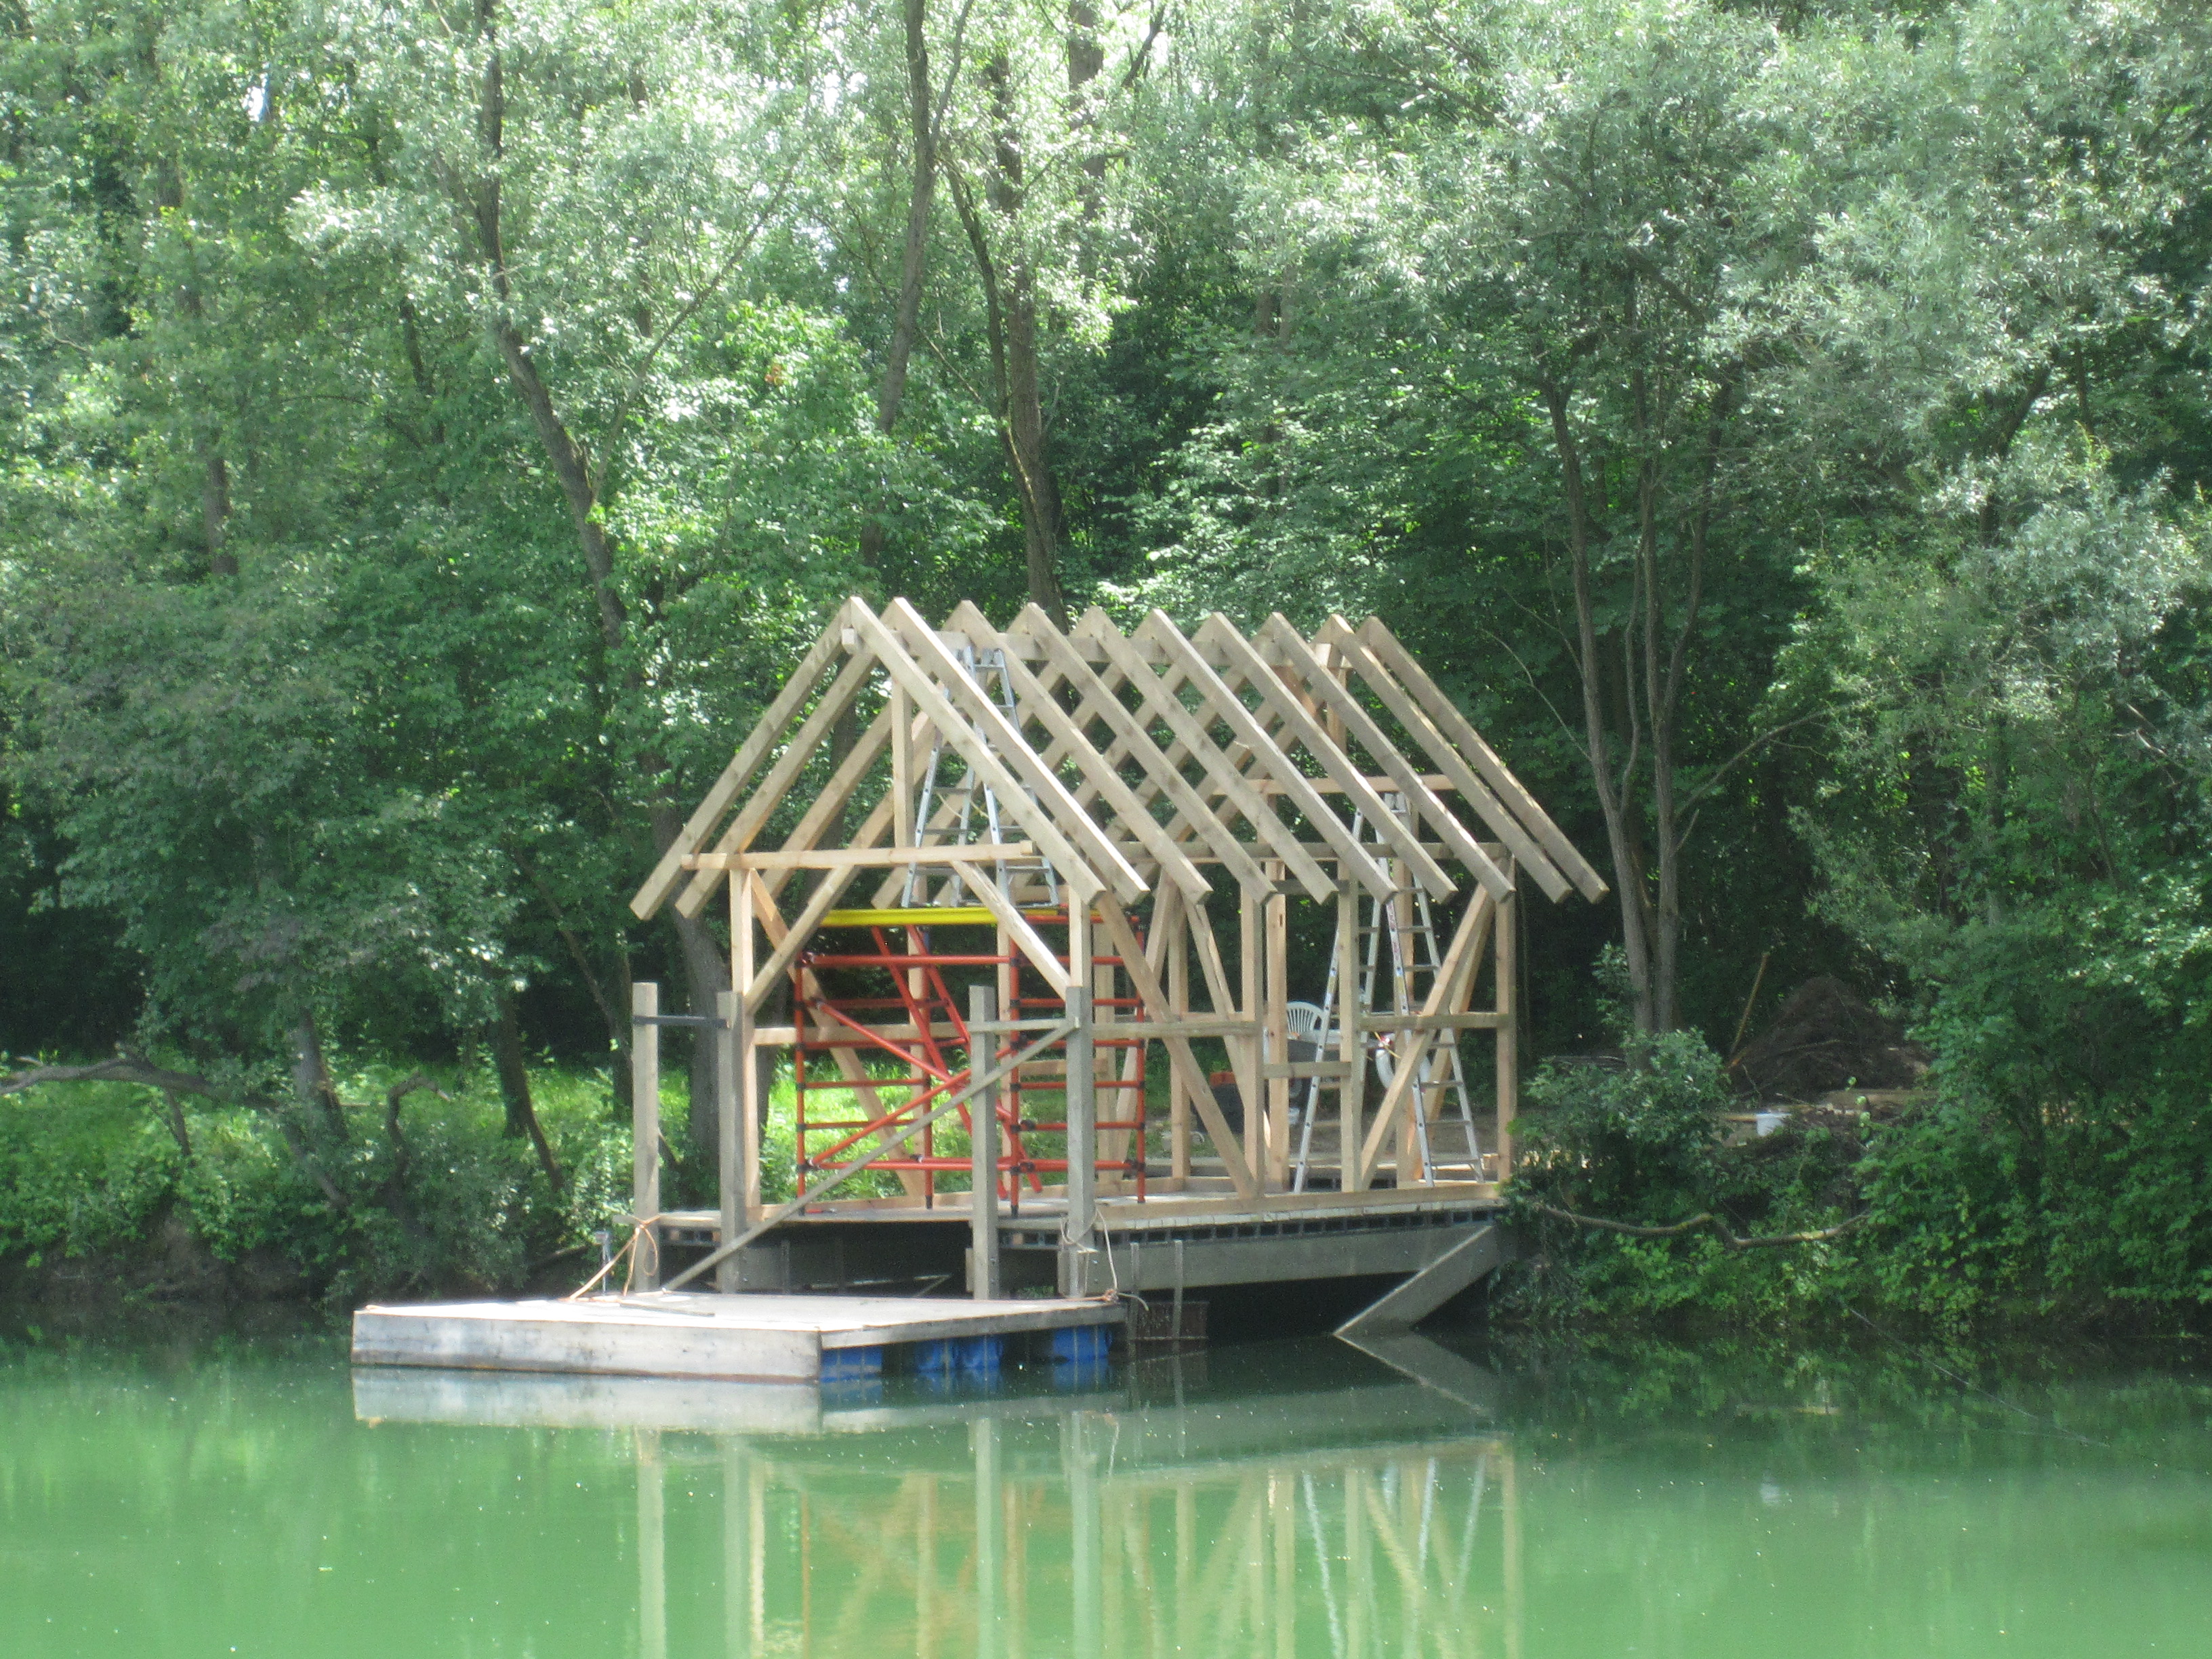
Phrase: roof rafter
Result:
[1125,761]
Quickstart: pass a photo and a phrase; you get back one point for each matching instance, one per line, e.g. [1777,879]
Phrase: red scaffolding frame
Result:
[921,1027]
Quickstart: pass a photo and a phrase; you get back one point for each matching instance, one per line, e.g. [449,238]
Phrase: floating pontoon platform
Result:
[749,1338]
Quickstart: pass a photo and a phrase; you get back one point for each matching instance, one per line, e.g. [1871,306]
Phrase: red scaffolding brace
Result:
[922,1027]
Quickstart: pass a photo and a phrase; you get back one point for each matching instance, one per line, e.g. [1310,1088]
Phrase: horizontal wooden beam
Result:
[1476,1022]
[869,858]
[1194,1028]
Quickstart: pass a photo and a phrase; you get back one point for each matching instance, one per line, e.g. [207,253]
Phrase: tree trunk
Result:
[571,465]
[1024,437]
[311,1079]
[1612,796]
[921,196]
[514,1088]
[215,509]
[704,970]
[168,192]
[1011,308]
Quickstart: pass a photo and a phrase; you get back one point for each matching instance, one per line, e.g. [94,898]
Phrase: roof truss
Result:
[1124,760]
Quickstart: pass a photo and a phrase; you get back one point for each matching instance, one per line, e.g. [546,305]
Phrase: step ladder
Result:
[1415,960]
[977,801]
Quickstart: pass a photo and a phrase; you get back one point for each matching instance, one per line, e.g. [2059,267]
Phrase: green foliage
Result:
[319,724]
[81,1171]
[1643,1144]
[95,1170]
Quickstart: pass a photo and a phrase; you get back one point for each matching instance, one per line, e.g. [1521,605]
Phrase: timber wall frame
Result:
[1150,768]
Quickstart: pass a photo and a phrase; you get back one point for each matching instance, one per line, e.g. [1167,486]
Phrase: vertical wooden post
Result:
[1082,1110]
[1179,1103]
[1008,978]
[903,779]
[1404,999]
[1509,1043]
[751,1108]
[1244,1052]
[1082,1130]
[983,1153]
[1351,1045]
[1113,1144]
[645,1125]
[1277,1013]
[734,1063]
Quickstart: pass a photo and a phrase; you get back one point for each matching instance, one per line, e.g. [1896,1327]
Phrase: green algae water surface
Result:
[260,1499]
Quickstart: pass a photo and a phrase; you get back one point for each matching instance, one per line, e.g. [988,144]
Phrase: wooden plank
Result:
[744,896]
[869,858]
[1164,1211]
[1245,1057]
[1403,664]
[1336,636]
[829,806]
[752,818]
[1277,1010]
[1210,963]
[905,832]
[1180,1055]
[1035,699]
[645,1120]
[1347,711]
[1174,930]
[1455,976]
[1266,757]
[1509,1051]
[1476,1022]
[818,904]
[1052,795]
[1269,686]
[1163,705]
[1198,1027]
[1096,701]
[1013,799]
[1350,1048]
[1025,938]
[668,874]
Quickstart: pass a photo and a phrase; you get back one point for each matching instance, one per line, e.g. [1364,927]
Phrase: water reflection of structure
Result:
[1143,1514]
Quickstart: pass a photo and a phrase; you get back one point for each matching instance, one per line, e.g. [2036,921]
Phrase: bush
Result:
[90,1169]
[1643,1144]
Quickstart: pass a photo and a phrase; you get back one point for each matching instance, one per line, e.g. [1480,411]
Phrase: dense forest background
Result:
[430,430]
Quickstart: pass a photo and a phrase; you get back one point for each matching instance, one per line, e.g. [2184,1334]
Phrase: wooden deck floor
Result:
[1125,1213]
[753,1337]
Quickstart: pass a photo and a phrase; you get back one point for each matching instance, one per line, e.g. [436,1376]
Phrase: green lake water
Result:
[255,1497]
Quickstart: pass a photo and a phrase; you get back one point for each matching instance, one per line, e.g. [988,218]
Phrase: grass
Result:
[98,1169]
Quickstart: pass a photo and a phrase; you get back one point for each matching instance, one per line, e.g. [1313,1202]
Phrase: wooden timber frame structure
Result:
[1051,821]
